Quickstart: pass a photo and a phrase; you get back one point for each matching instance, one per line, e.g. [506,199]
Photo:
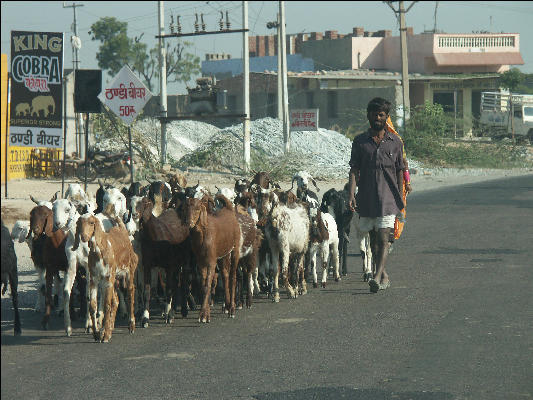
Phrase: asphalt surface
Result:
[456,323]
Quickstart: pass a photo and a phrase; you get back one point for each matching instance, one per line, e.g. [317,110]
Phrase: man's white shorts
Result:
[367,224]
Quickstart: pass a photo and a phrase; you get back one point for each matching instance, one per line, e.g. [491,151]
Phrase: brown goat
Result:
[213,237]
[263,180]
[165,244]
[110,254]
[48,252]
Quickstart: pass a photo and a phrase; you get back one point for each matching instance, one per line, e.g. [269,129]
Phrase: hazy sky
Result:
[452,17]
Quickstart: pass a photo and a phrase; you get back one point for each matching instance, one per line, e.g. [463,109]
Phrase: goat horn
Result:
[32,199]
[292,184]
[314,183]
[100,183]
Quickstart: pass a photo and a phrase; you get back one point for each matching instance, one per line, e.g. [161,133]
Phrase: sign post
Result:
[126,97]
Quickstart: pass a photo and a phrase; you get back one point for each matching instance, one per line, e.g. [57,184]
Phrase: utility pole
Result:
[76,65]
[75,47]
[162,81]
[280,69]
[277,25]
[246,87]
[286,133]
[405,67]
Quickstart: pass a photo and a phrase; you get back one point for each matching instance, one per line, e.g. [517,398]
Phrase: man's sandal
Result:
[383,286]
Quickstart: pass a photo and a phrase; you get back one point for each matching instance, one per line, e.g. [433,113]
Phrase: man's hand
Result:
[408,188]
[352,204]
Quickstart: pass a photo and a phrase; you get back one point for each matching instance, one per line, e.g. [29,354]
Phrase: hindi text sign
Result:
[36,89]
[304,120]
[126,96]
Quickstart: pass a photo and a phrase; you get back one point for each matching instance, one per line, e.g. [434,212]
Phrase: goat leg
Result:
[131,294]
[208,273]
[13,284]
[48,300]
[93,308]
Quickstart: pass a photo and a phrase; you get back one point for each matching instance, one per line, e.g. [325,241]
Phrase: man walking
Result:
[377,170]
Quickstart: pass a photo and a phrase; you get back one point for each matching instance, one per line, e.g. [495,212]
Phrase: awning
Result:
[455,59]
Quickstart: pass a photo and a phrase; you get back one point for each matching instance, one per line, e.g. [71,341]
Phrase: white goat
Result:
[324,246]
[65,218]
[287,232]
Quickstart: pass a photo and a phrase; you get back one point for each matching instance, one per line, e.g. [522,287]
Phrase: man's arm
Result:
[352,179]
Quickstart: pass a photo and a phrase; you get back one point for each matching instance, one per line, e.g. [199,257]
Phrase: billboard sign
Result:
[36,89]
[126,95]
[304,120]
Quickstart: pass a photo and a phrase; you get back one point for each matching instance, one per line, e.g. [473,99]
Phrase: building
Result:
[342,96]
[428,52]
[350,69]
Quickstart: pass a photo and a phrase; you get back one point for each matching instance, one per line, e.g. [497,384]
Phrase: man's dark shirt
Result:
[378,193]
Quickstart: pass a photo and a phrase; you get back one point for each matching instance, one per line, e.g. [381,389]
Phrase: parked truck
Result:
[496,111]
[206,97]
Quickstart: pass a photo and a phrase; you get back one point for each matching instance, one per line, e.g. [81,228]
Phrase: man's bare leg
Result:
[383,244]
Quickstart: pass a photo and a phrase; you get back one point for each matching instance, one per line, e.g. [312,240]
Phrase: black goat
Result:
[9,272]
[336,203]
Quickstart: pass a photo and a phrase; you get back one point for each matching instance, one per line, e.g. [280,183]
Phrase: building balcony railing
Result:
[476,41]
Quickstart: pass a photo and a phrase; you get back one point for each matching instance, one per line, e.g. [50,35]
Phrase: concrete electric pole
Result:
[76,44]
[405,67]
[286,132]
[246,87]
[277,25]
[162,81]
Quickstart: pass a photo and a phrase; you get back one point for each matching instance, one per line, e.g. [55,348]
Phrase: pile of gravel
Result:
[323,153]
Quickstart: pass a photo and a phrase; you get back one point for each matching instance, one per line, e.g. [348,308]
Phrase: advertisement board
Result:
[36,89]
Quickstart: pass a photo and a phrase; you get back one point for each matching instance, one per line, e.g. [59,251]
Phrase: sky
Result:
[301,16]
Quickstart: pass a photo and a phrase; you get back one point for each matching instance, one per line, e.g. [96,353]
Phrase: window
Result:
[310,99]
[332,104]
[528,111]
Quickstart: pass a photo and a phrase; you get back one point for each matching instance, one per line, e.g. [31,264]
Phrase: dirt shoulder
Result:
[18,205]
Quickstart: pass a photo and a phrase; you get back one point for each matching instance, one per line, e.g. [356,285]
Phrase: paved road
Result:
[456,323]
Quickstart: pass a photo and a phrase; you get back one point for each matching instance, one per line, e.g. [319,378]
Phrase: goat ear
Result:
[100,183]
[49,223]
[203,216]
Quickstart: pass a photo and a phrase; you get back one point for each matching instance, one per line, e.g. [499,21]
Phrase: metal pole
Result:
[512,114]
[280,68]
[8,101]
[131,154]
[64,136]
[455,114]
[162,81]
[286,133]
[246,87]
[86,150]
[405,67]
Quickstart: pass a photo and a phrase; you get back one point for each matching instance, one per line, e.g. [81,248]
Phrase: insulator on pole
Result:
[221,21]
[196,26]
[228,24]
[203,23]
[171,23]
[179,24]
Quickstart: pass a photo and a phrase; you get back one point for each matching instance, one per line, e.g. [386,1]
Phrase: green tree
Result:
[511,79]
[117,49]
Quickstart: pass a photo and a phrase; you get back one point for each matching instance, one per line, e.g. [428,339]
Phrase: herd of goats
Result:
[176,240]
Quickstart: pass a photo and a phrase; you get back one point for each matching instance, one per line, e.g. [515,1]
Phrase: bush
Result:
[428,137]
